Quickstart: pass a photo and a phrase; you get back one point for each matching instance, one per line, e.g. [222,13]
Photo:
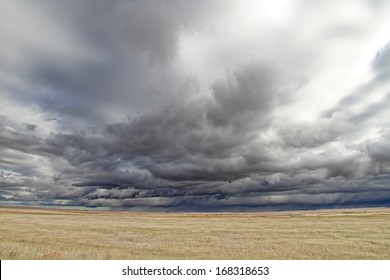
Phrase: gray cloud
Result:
[247,98]
[381,68]
[155,105]
[314,134]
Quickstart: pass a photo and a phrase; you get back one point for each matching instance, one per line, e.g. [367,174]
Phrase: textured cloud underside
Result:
[155,105]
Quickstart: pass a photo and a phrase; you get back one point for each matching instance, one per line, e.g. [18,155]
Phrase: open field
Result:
[27,233]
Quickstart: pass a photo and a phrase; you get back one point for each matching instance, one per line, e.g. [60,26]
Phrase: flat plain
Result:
[32,233]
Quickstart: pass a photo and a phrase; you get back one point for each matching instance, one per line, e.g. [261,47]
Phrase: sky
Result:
[168,105]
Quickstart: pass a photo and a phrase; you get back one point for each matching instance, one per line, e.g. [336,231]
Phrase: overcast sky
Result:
[195,105]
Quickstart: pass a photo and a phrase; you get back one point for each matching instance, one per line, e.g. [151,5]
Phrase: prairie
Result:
[31,233]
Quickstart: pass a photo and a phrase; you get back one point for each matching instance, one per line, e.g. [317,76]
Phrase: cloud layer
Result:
[208,106]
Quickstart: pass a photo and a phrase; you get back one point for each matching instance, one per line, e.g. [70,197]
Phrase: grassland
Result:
[62,234]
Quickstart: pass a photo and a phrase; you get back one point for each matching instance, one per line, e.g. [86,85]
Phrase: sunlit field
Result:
[63,234]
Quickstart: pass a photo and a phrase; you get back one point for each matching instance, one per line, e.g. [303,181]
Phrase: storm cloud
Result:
[202,106]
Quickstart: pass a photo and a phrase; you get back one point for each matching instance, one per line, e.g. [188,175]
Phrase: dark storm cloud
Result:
[313,134]
[379,153]
[18,140]
[106,53]
[206,139]
[247,98]
[103,105]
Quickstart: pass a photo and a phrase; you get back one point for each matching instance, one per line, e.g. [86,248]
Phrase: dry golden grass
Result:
[60,234]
